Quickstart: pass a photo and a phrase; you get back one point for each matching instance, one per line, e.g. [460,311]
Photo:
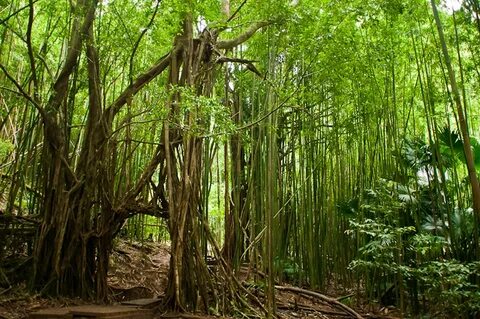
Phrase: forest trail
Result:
[138,270]
[138,273]
[303,158]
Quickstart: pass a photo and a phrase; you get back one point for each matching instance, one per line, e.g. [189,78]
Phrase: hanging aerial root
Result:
[234,285]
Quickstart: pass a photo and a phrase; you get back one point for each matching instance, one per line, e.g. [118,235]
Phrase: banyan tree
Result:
[83,205]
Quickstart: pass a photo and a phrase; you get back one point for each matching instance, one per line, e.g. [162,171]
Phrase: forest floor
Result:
[139,270]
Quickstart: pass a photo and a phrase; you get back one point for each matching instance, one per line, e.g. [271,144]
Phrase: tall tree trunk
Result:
[81,215]
[188,278]
[190,284]
[63,259]
[467,146]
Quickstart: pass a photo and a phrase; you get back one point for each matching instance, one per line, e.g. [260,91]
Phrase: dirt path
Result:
[140,270]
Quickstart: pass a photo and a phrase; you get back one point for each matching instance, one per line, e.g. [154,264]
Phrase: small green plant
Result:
[381,257]
[415,259]
[449,283]
[6,148]
[287,269]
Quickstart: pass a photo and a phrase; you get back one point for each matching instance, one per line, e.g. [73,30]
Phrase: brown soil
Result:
[17,303]
[139,270]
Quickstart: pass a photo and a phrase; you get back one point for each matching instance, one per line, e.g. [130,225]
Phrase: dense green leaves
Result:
[343,140]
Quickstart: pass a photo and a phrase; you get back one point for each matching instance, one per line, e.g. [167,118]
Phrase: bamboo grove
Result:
[320,143]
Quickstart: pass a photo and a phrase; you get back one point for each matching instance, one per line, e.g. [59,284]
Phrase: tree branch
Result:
[141,81]
[230,44]
[22,92]
[3,21]
[30,51]
[248,63]
[137,43]
[75,45]
[147,173]
[237,11]
[137,207]
[224,59]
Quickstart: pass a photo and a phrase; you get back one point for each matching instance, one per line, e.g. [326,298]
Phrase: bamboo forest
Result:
[239,159]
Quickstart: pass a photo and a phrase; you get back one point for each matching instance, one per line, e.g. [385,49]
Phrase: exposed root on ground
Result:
[329,300]
[140,270]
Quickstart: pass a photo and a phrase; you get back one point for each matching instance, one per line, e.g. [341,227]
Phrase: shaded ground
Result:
[139,270]
[17,303]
